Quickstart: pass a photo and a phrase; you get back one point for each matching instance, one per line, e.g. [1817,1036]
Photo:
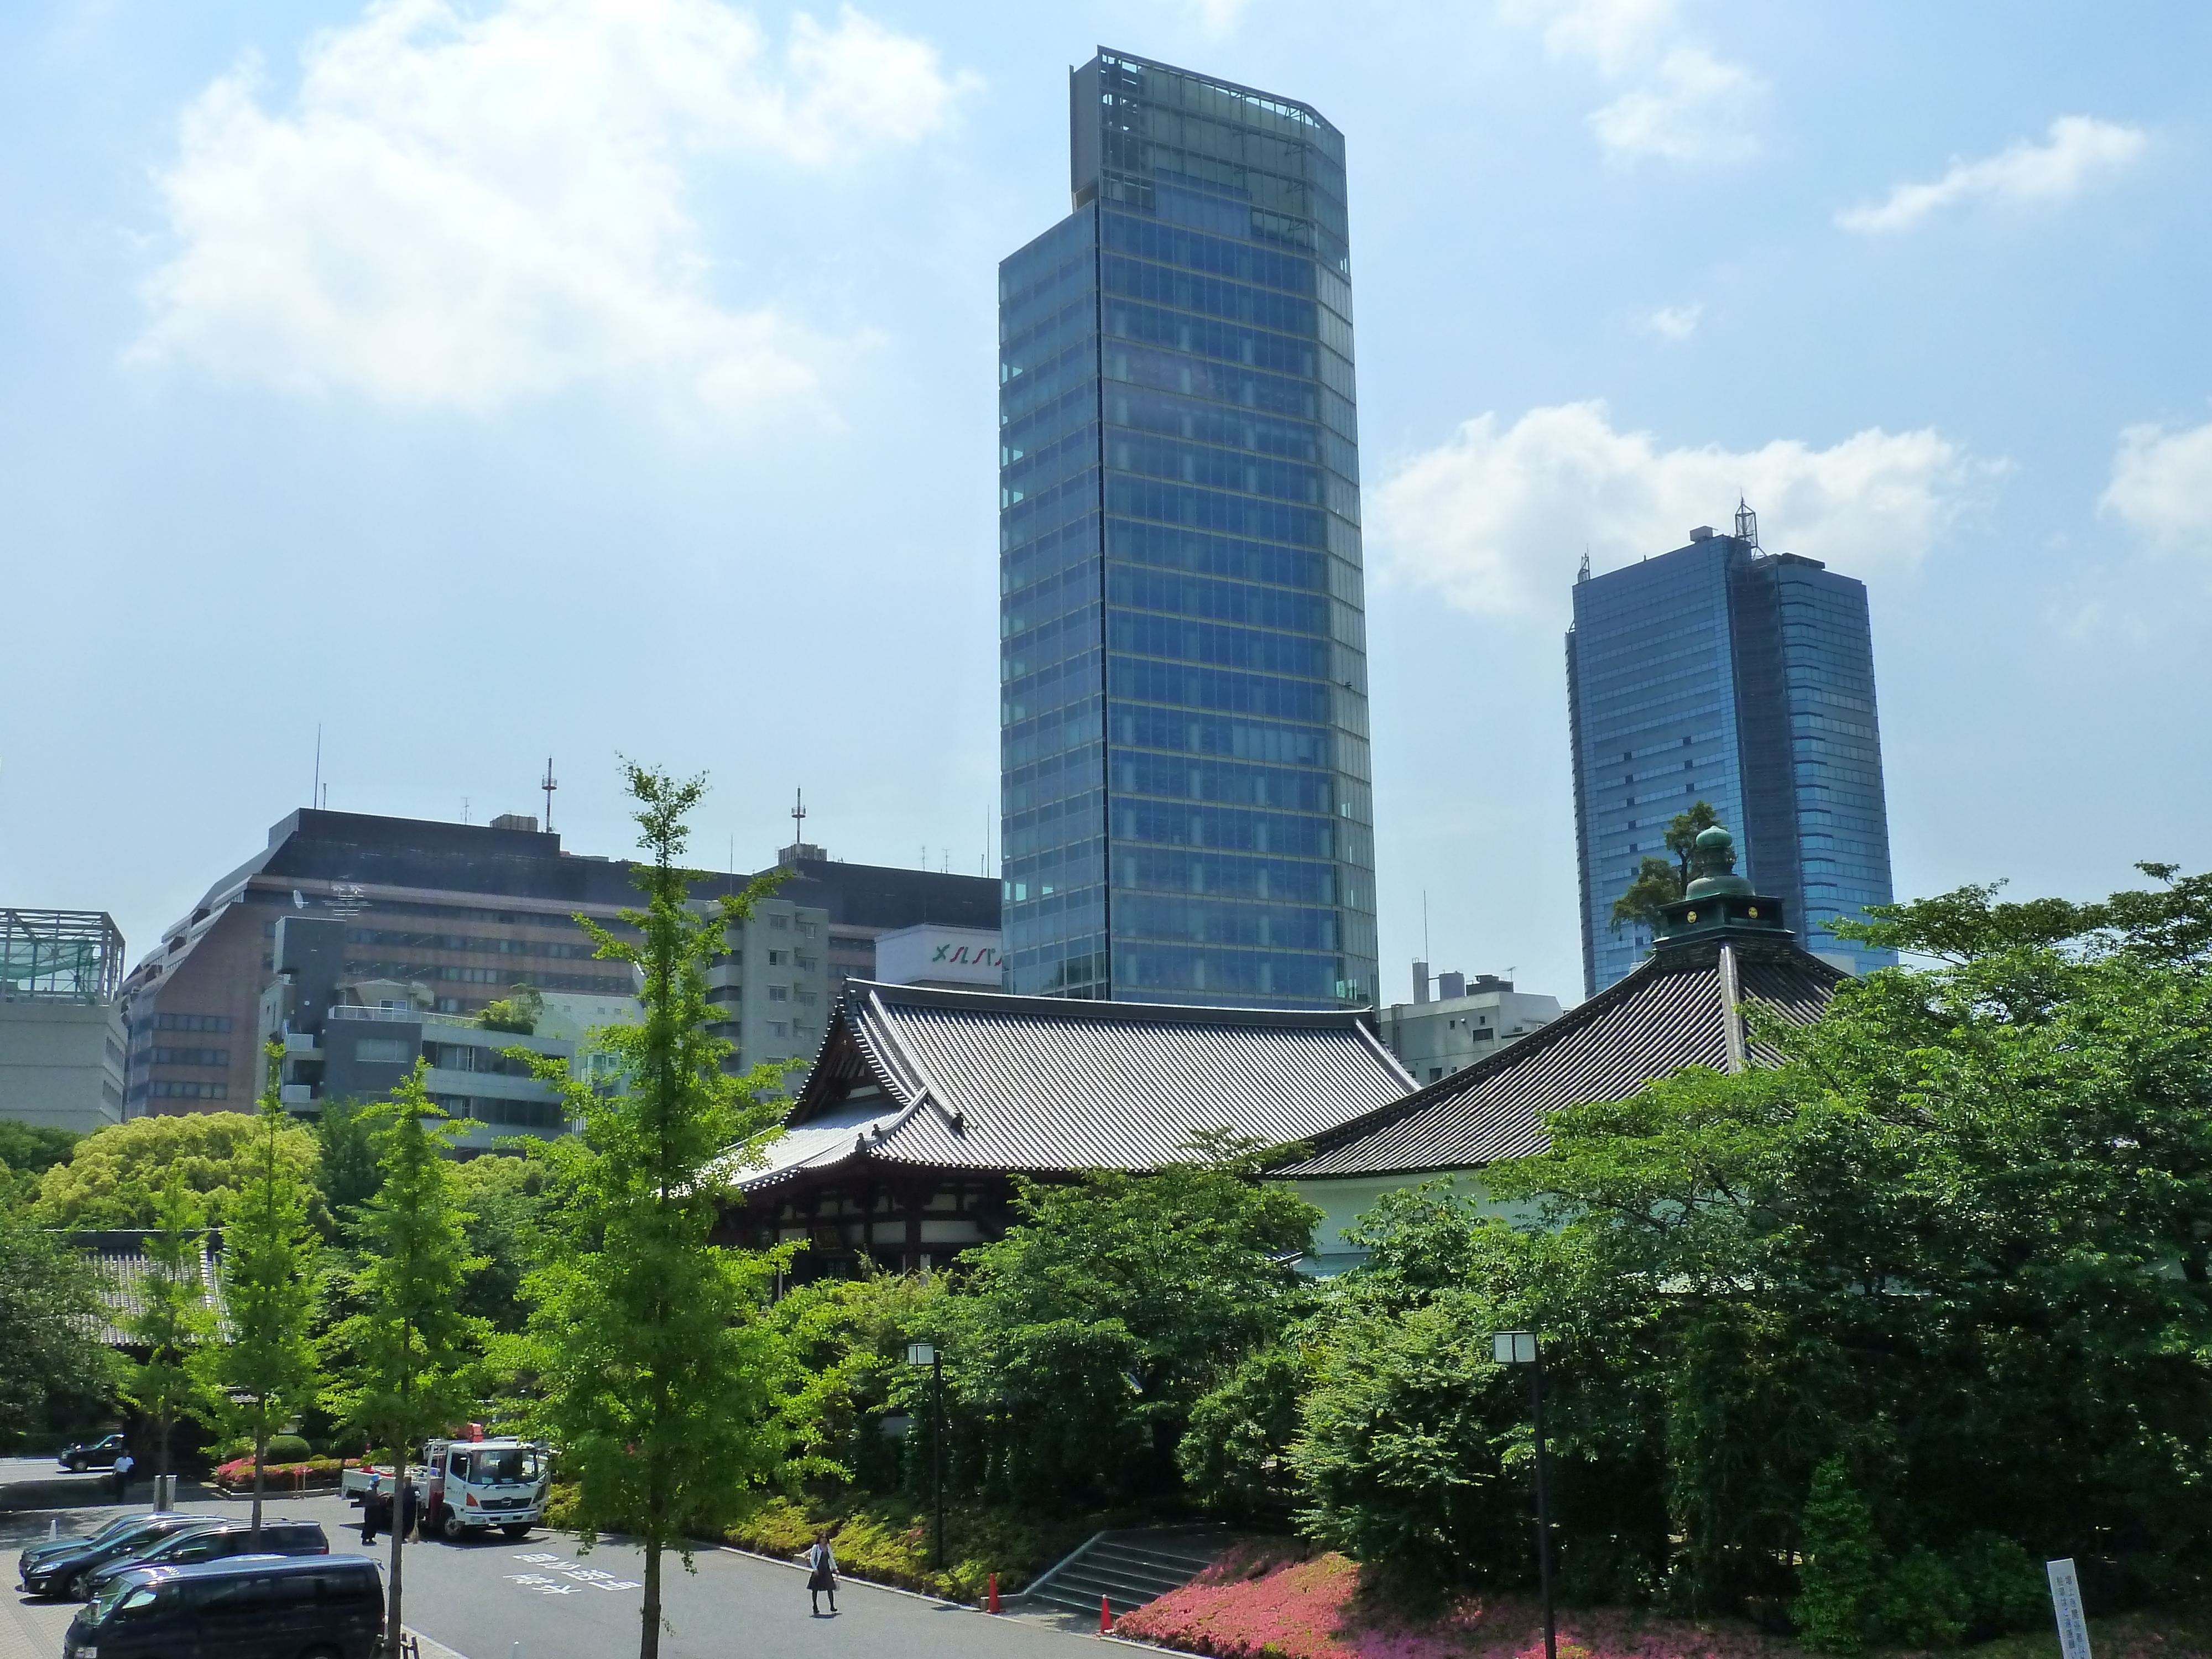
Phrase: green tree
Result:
[404,1357]
[114,1177]
[1659,883]
[27,1150]
[508,1204]
[172,1319]
[346,1163]
[265,1371]
[51,1361]
[1085,1338]
[664,1380]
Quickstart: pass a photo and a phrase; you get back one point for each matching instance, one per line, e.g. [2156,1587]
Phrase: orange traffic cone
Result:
[1105,1617]
[992,1604]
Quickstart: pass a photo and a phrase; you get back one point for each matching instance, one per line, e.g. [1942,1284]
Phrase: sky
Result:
[470,383]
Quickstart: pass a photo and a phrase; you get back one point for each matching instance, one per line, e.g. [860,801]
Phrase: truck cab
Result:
[473,1486]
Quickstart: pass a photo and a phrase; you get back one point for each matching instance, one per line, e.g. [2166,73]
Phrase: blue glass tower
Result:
[1723,673]
[1183,723]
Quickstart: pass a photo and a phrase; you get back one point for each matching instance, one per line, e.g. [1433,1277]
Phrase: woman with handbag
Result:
[822,1573]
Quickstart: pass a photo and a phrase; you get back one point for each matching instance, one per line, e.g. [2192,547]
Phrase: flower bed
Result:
[1261,1601]
[315,1473]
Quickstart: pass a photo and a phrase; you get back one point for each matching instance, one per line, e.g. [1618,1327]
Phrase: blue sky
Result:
[588,377]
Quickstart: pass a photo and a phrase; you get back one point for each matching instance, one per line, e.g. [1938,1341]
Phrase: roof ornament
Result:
[1713,858]
[1746,522]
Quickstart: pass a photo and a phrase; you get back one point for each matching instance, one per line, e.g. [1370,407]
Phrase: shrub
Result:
[288,1449]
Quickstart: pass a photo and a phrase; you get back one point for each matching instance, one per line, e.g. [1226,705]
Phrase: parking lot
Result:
[544,1598]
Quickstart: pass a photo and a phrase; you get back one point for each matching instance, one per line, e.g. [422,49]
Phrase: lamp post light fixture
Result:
[1521,1348]
[924,1353]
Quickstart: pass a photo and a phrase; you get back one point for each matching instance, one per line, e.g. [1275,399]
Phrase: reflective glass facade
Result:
[1183,722]
[1722,673]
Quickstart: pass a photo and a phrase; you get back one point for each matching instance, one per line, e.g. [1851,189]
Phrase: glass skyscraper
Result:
[1183,722]
[1723,673]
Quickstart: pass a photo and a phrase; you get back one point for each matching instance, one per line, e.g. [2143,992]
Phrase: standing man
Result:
[124,1464]
[369,1501]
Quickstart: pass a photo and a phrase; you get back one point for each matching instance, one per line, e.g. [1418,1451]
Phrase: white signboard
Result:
[2066,1603]
[930,955]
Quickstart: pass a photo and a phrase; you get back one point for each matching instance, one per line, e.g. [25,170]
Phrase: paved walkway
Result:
[547,1599]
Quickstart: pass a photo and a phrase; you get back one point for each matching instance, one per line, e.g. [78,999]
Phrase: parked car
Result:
[56,1573]
[249,1607]
[46,1548]
[99,1455]
[212,1542]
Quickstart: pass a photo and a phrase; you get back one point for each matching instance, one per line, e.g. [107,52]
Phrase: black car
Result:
[46,1548]
[213,1542]
[250,1606]
[57,1573]
[99,1455]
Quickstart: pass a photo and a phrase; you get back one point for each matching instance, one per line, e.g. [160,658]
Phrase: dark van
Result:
[219,1538]
[250,1606]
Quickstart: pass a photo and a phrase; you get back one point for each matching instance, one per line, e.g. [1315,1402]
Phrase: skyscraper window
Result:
[1183,726]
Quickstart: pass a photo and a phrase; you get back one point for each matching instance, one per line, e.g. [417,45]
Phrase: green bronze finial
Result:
[1713,858]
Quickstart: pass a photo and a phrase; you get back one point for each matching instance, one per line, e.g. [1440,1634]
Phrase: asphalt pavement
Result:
[544,1598]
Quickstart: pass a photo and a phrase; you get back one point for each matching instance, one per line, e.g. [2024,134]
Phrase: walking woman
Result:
[822,1573]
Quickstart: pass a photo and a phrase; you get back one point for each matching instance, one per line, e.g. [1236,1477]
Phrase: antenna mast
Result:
[549,784]
[1746,523]
[798,817]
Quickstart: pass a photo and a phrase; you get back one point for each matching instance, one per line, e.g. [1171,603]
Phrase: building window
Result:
[160,1056]
[778,994]
[382,1051]
[781,1028]
[781,923]
[163,1089]
[778,958]
[191,1022]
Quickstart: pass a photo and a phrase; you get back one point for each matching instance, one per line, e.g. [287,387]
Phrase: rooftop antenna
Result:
[315,794]
[1746,522]
[549,784]
[797,817]
[465,809]
[1425,956]
[1583,575]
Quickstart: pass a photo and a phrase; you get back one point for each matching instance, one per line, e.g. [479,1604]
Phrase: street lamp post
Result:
[924,1353]
[1521,1348]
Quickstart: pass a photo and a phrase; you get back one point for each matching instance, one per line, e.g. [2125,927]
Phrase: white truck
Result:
[463,1487]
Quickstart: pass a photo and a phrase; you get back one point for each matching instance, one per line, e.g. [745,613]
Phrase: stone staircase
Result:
[1128,1569]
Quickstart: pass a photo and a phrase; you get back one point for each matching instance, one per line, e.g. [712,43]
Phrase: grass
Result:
[888,1539]
[1268,1600]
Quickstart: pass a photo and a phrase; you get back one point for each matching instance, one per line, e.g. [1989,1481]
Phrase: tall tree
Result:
[1085,1338]
[1657,883]
[662,1377]
[51,1360]
[172,1321]
[405,1354]
[265,1369]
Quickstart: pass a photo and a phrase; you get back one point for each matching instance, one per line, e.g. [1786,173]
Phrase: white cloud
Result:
[1496,517]
[1675,322]
[464,209]
[1693,107]
[2162,487]
[1611,33]
[2079,150]
[1685,104]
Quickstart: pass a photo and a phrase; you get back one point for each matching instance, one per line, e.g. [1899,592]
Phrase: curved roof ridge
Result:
[1101,1009]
